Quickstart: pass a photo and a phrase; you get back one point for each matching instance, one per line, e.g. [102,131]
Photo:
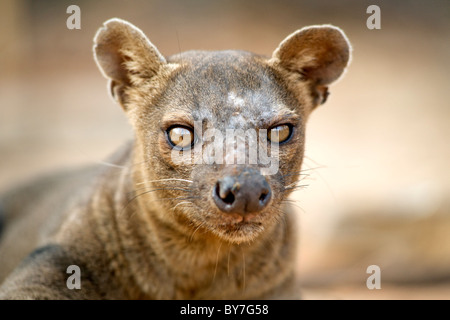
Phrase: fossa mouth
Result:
[234,227]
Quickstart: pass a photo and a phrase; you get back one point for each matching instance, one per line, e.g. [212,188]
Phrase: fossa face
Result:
[220,134]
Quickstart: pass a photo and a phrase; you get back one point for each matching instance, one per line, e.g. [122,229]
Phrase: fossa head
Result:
[219,135]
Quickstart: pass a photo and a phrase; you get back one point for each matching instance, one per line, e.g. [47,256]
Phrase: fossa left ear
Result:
[125,56]
[316,54]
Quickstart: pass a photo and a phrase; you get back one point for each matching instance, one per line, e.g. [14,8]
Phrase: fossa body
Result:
[153,227]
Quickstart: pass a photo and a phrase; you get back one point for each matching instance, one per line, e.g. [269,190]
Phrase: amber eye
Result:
[280,134]
[180,137]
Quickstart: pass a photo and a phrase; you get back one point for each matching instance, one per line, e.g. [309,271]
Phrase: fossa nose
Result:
[243,193]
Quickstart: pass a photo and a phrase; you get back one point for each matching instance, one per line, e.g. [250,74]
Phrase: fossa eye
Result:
[280,133]
[180,137]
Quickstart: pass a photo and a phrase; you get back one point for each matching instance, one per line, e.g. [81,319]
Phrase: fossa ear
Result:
[317,54]
[125,56]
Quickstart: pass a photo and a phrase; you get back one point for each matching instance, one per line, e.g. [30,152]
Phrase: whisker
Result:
[305,175]
[293,203]
[160,180]
[300,186]
[179,47]
[169,198]
[330,190]
[153,190]
[302,171]
[313,161]
[292,173]
[108,164]
[228,263]
[217,261]
[182,202]
[290,185]
[283,217]
[243,270]
[161,188]
[196,229]
[131,215]
[313,168]
[177,198]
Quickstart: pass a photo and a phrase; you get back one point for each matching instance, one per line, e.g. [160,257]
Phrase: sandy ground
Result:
[387,292]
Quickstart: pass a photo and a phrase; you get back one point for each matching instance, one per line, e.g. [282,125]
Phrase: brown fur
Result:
[149,229]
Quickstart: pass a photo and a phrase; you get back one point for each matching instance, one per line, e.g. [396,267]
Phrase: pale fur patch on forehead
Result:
[244,111]
[234,100]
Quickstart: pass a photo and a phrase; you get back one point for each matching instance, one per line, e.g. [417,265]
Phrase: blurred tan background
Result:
[377,152]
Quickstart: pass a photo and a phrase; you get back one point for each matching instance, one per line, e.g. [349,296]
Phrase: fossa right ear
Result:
[125,56]
[316,54]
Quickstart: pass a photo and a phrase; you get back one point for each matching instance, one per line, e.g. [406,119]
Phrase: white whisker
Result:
[243,270]
[196,229]
[228,263]
[183,202]
[160,180]
[292,184]
[217,261]
[111,165]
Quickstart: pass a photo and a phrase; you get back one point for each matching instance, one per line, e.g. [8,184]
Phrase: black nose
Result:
[244,193]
